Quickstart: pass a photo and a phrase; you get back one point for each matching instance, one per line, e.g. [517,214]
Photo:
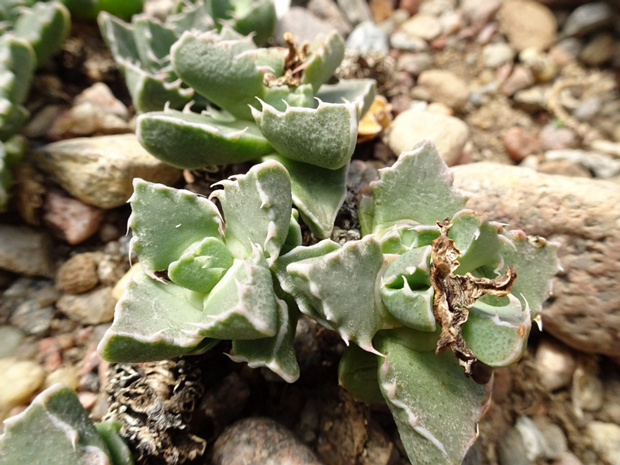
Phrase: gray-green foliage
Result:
[246,276]
[56,430]
[31,33]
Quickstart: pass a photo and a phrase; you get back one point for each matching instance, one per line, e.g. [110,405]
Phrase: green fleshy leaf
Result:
[191,17]
[418,187]
[224,71]
[150,93]
[342,287]
[286,281]
[45,26]
[318,193]
[400,238]
[293,237]
[326,54]
[281,97]
[201,266]
[120,454]
[191,140]
[324,136]
[418,341]
[154,321]
[166,222]
[12,118]
[406,290]
[243,305]
[536,263]
[53,430]
[119,38]
[257,209]
[435,406]
[476,239]
[247,16]
[276,353]
[361,92]
[357,373]
[496,330]
[153,41]
[17,64]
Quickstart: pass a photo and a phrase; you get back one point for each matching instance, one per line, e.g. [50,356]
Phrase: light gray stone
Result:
[497,54]
[587,18]
[410,127]
[24,250]
[356,11]
[606,440]
[91,308]
[581,215]
[368,37]
[11,338]
[602,165]
[555,363]
[99,170]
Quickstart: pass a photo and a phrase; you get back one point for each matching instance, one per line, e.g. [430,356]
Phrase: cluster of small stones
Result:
[471,74]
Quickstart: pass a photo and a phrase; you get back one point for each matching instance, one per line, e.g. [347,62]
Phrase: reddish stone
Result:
[520,143]
[69,219]
[410,5]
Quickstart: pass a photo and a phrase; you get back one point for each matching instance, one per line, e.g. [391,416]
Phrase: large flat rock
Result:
[583,215]
[99,170]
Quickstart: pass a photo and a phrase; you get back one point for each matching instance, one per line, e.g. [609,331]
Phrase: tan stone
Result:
[527,24]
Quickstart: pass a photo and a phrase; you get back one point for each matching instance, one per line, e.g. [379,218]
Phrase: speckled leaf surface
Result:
[342,287]
[166,221]
[154,321]
[318,193]
[497,330]
[418,187]
[536,263]
[243,304]
[327,52]
[224,71]
[257,209]
[361,92]
[436,407]
[53,430]
[276,353]
[192,140]
[324,136]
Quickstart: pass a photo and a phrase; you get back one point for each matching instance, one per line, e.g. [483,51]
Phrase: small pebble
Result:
[70,219]
[606,440]
[557,138]
[520,143]
[260,440]
[555,363]
[19,381]
[25,251]
[78,274]
[587,391]
[90,308]
[495,55]
[32,318]
[11,338]
[568,458]
[599,50]
[445,87]
[368,37]
[422,26]
[520,78]
[88,399]
[65,375]
[587,18]
[527,24]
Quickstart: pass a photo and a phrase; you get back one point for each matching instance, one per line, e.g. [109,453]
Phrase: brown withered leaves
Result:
[455,294]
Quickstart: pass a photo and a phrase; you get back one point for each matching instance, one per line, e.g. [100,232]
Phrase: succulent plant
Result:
[64,434]
[30,35]
[141,49]
[427,276]
[271,104]
[203,280]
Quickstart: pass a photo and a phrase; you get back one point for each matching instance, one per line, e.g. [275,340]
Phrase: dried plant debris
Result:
[371,65]
[294,64]
[455,294]
[154,403]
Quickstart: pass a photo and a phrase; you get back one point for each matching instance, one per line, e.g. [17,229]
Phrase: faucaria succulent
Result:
[429,301]
[272,103]
[205,278]
[63,432]
[141,48]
